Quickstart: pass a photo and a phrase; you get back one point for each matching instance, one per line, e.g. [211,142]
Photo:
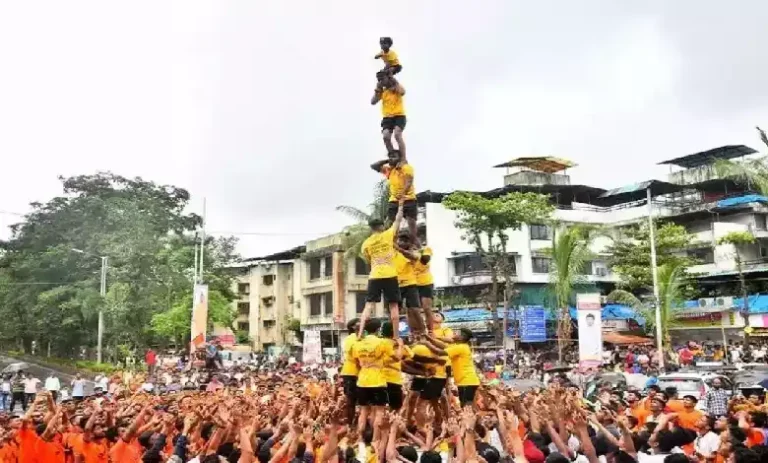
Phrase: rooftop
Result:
[562,194]
[546,164]
[707,157]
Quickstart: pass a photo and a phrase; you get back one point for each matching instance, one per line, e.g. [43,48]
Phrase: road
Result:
[42,372]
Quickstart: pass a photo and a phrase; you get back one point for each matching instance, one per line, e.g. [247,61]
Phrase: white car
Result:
[693,383]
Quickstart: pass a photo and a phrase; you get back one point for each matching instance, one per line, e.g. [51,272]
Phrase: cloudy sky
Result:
[262,107]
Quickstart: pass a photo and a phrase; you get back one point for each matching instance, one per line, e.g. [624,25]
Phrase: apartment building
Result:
[333,289]
[267,299]
[707,206]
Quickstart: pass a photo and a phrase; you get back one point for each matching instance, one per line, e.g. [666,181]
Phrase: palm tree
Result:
[751,172]
[671,279]
[570,251]
[356,234]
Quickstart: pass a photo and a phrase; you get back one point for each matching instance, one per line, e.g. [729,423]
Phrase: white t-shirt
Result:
[30,385]
[52,383]
[707,444]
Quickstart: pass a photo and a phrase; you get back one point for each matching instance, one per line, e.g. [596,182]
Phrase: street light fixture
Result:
[103,292]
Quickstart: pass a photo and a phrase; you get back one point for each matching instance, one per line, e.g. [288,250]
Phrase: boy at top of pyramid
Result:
[391,61]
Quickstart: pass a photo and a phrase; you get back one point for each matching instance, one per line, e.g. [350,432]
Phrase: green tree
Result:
[630,254]
[740,239]
[569,253]
[355,234]
[671,297]
[752,173]
[485,223]
[50,294]
[174,324]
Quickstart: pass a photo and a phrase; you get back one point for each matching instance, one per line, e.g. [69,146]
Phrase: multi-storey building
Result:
[333,288]
[708,207]
[268,298]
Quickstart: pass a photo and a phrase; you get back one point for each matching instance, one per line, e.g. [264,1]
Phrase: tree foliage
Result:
[50,294]
[485,223]
[671,297]
[570,252]
[355,234]
[630,254]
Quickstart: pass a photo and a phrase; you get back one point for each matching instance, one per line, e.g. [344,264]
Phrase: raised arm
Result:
[398,221]
[378,165]
[376,94]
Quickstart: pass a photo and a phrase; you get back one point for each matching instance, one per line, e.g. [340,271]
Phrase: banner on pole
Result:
[589,312]
[312,351]
[199,316]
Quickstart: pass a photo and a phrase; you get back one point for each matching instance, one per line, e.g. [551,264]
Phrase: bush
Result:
[96,367]
[69,365]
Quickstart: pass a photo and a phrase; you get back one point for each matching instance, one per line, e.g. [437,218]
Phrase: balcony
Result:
[268,314]
[479,277]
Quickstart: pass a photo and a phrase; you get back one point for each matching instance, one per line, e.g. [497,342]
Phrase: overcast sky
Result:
[262,107]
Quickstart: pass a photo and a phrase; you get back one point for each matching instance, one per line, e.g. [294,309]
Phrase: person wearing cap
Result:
[379,251]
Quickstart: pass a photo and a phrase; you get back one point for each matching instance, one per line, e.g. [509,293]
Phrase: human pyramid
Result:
[374,354]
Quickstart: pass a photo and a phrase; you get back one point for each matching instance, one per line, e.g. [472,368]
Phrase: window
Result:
[328,266]
[540,232]
[243,326]
[703,255]
[243,288]
[267,280]
[360,302]
[361,267]
[315,305]
[469,263]
[314,269]
[243,308]
[586,268]
[269,324]
[540,264]
[760,223]
[328,303]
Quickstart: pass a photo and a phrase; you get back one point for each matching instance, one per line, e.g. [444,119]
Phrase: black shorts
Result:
[350,388]
[467,395]
[386,286]
[409,296]
[433,390]
[395,396]
[418,384]
[373,396]
[389,123]
[410,210]
[426,291]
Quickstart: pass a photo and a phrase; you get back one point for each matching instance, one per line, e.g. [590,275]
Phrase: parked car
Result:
[696,384]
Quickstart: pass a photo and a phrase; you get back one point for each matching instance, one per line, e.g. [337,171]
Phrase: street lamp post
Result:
[103,293]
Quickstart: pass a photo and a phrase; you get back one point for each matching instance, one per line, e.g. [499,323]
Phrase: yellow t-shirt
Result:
[390,58]
[391,103]
[393,367]
[397,178]
[405,270]
[436,369]
[443,333]
[370,353]
[423,274]
[463,367]
[350,367]
[379,251]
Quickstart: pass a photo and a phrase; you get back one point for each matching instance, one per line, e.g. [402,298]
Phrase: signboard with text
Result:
[589,312]
[533,324]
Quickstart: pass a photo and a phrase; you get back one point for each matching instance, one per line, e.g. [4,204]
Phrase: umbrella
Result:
[15,368]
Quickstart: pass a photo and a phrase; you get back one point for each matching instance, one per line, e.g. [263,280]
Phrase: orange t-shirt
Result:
[755,437]
[124,452]
[640,413]
[8,453]
[688,419]
[27,439]
[675,406]
[92,452]
[52,451]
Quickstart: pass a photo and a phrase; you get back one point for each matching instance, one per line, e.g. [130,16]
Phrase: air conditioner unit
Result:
[722,302]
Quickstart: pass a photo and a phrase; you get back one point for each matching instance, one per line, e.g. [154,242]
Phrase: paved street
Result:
[42,372]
